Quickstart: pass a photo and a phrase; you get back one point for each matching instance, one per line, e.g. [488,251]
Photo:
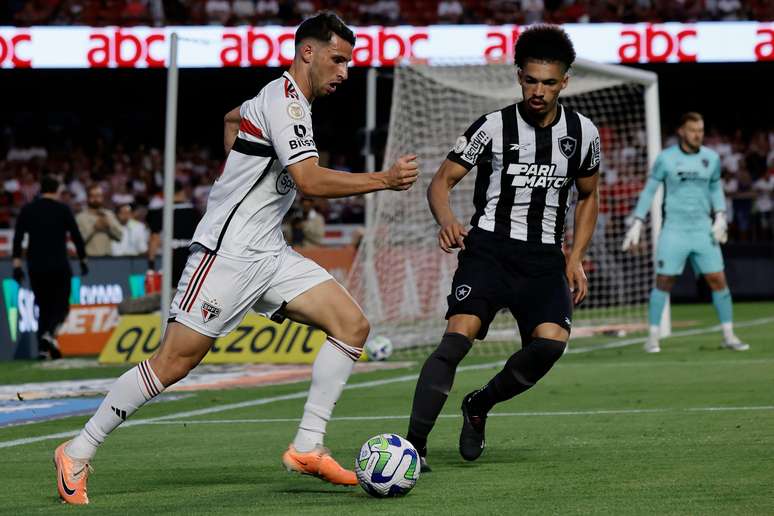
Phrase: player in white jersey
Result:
[239,260]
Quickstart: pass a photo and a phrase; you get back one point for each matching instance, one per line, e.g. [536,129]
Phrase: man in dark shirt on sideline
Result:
[47,222]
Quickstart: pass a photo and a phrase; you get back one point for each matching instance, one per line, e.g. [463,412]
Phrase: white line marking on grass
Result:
[457,416]
[682,333]
[362,385]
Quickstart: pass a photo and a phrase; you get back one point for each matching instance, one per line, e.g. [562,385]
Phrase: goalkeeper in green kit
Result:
[694,226]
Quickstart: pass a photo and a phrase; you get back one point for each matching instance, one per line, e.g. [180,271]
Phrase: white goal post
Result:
[400,276]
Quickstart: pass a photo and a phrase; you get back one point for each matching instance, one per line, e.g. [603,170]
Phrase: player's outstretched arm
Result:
[317,181]
[452,232]
[585,220]
[231,128]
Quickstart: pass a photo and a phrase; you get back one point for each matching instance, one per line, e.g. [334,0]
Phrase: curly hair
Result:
[544,43]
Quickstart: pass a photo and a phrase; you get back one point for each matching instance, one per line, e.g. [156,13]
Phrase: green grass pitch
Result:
[610,431]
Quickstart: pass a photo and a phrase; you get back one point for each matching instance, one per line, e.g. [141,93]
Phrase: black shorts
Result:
[497,272]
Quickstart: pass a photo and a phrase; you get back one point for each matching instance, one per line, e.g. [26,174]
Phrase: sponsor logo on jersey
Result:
[295,111]
[690,175]
[284,183]
[595,153]
[462,292]
[519,146]
[301,141]
[460,144]
[533,175]
[209,311]
[567,146]
[476,146]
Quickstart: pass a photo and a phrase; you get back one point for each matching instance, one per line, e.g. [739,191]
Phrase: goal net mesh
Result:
[401,277]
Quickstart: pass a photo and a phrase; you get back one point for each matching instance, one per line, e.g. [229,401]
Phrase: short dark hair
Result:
[690,116]
[49,184]
[322,27]
[544,43]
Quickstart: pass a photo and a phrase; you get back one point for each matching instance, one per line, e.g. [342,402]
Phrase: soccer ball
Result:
[378,348]
[388,465]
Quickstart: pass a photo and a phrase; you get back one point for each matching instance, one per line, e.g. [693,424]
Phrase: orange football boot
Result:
[71,476]
[320,464]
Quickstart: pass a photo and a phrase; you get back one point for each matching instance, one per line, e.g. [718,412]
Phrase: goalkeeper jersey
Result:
[692,189]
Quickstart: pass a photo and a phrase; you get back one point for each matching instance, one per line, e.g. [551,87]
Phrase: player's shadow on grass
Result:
[442,458]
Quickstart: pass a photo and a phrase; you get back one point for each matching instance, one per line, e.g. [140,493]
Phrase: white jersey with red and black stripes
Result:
[251,197]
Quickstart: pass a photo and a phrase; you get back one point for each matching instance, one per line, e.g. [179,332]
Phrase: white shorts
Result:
[215,292]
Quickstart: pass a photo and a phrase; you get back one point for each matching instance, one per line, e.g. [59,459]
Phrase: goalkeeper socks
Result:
[522,370]
[131,391]
[723,306]
[330,372]
[435,382]
[658,299]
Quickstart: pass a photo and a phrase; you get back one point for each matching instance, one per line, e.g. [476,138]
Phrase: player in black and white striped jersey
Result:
[529,156]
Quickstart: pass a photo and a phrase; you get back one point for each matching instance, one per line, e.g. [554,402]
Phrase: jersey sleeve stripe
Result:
[297,154]
[253,148]
[248,127]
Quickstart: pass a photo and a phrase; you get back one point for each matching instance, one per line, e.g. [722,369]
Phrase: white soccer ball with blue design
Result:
[378,348]
[388,465]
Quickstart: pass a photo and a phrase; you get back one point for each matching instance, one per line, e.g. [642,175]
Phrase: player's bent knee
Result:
[453,348]
[352,330]
[551,331]
[716,281]
[535,360]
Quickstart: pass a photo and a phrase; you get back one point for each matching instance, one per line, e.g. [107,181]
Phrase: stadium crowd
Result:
[131,179]
[373,12]
[129,184]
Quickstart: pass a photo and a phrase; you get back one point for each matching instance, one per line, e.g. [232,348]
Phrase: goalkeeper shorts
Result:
[675,247]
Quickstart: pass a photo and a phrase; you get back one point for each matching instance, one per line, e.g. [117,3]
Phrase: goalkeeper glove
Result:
[720,228]
[633,235]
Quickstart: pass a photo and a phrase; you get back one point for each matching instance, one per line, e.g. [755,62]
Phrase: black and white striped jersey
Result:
[526,173]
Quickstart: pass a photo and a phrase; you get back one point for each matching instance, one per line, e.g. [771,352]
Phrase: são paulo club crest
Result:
[209,311]
[567,146]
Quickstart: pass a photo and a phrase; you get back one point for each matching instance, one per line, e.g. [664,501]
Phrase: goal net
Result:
[400,276]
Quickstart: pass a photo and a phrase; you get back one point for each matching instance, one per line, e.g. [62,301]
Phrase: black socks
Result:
[435,382]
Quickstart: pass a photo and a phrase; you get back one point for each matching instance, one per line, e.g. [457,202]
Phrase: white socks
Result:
[132,390]
[728,332]
[330,372]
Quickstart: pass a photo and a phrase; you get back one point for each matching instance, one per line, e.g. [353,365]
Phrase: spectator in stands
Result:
[267,11]
[743,204]
[98,225]
[135,235]
[244,12]
[306,227]
[450,11]
[218,12]
[185,218]
[135,12]
[48,222]
[729,10]
[764,205]
[7,206]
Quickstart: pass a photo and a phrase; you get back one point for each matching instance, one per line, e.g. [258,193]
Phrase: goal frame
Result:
[647,79]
